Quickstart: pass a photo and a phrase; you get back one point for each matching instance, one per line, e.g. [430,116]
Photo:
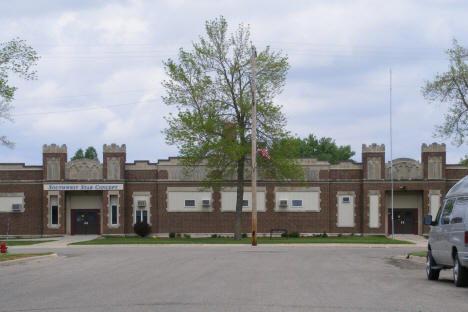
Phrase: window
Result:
[245,203]
[437,219]
[189,203]
[345,200]
[445,217]
[459,211]
[296,203]
[141,216]
[53,210]
[114,210]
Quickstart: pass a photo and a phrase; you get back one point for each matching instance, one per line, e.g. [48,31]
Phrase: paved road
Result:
[214,278]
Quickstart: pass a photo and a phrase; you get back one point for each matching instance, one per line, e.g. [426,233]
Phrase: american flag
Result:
[264,152]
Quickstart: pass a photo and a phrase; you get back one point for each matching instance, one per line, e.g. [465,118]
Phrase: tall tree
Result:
[211,88]
[90,153]
[17,58]
[78,155]
[451,87]
[325,148]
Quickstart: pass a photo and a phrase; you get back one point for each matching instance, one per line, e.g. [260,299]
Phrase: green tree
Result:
[325,149]
[211,88]
[17,58]
[451,88]
[89,154]
[78,155]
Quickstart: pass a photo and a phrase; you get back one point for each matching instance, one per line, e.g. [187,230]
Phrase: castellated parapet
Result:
[433,148]
[373,148]
[114,148]
[54,148]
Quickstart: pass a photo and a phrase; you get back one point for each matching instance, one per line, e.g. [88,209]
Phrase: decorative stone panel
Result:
[373,168]
[434,167]
[53,168]
[83,169]
[113,168]
[404,169]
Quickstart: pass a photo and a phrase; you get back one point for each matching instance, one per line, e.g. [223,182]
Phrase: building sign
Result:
[83,187]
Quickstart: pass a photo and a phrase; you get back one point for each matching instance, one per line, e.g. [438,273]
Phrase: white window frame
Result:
[142,212]
[53,198]
[243,202]
[112,206]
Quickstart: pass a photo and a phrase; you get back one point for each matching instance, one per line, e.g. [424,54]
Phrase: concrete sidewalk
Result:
[63,242]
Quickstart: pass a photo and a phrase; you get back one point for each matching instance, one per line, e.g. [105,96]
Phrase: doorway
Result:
[405,221]
[86,222]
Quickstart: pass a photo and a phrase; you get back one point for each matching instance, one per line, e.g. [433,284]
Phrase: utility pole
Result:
[254,153]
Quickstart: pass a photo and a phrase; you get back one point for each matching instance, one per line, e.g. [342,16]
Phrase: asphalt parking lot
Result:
[219,278]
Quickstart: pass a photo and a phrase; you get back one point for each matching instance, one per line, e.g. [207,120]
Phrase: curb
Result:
[27,259]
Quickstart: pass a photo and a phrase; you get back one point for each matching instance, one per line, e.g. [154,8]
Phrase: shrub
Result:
[324,234]
[178,235]
[214,236]
[187,236]
[244,235]
[340,235]
[141,229]
[284,234]
[295,234]
[171,235]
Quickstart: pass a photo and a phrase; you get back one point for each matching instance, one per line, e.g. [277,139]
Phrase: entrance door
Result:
[405,221]
[86,222]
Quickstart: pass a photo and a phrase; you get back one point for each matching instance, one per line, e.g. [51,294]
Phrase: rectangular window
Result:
[189,203]
[53,210]
[459,211]
[245,203]
[345,199]
[141,216]
[296,203]
[114,210]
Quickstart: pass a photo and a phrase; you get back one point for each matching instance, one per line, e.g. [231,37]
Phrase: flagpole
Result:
[254,154]
[391,154]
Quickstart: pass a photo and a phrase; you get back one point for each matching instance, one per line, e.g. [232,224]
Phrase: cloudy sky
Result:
[100,72]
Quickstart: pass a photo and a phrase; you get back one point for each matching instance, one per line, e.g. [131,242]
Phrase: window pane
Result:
[459,211]
[297,202]
[138,216]
[91,216]
[189,203]
[114,214]
[445,218]
[245,203]
[145,216]
[54,215]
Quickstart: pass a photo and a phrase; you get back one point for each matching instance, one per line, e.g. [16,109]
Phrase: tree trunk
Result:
[240,198]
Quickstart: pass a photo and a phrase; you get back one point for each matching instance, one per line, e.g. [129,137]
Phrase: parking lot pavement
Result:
[225,278]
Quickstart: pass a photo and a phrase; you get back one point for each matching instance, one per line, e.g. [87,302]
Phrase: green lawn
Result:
[375,239]
[418,253]
[25,243]
[12,256]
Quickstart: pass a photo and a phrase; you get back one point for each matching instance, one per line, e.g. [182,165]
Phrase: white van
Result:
[448,238]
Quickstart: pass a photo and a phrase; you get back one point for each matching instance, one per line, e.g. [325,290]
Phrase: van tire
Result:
[432,275]
[460,273]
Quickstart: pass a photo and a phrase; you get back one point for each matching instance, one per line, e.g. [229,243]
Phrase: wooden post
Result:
[254,154]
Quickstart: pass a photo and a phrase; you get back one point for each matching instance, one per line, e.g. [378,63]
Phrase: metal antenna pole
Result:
[254,154]
[391,154]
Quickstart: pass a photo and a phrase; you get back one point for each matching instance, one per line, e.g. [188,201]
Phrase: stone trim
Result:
[374,192]
[109,209]
[344,193]
[49,217]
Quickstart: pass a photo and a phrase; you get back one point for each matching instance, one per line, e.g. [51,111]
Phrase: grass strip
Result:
[12,256]
[25,243]
[374,239]
[418,253]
